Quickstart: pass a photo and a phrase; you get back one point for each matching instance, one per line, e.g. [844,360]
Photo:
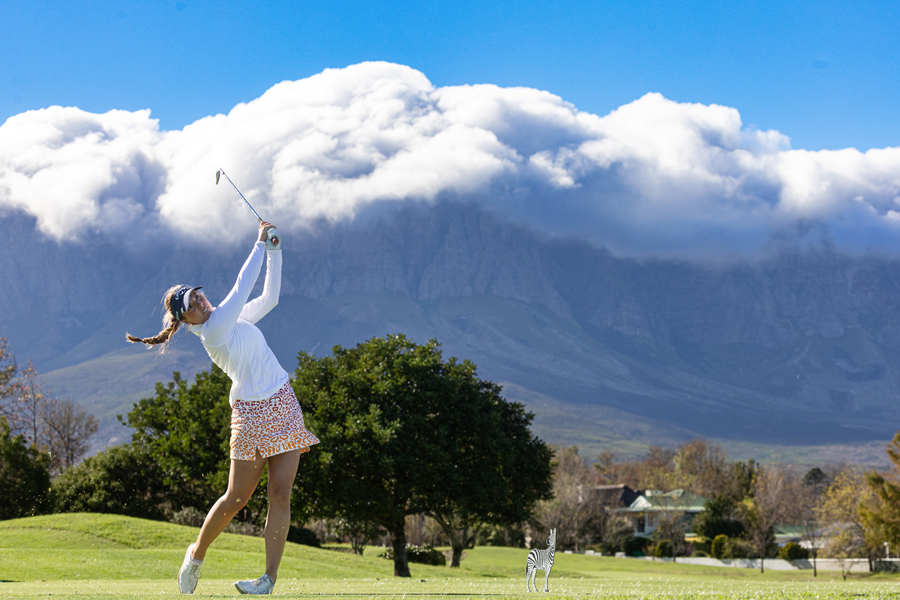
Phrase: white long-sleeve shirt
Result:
[232,340]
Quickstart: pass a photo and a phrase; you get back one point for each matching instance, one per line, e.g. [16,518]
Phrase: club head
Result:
[218,173]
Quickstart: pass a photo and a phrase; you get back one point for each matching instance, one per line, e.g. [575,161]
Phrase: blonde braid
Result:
[170,325]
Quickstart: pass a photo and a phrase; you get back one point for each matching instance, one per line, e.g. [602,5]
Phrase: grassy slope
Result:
[107,556]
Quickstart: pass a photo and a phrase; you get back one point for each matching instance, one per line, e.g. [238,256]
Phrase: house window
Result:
[641,524]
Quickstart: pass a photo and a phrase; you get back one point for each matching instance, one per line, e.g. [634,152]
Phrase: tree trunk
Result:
[762,562]
[457,553]
[398,541]
[458,536]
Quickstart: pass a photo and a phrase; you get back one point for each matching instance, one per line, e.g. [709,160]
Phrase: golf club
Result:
[273,242]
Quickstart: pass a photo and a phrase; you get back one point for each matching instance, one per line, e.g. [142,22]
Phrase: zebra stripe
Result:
[541,560]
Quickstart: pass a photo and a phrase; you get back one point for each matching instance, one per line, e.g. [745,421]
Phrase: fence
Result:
[856,565]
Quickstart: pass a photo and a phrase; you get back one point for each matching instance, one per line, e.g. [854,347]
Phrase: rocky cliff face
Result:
[798,348]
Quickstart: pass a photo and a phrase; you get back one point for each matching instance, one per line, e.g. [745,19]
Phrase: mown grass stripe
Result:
[107,556]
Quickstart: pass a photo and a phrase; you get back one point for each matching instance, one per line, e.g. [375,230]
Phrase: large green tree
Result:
[178,456]
[405,432]
[185,429]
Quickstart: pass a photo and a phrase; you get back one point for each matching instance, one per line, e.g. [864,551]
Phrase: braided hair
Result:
[170,324]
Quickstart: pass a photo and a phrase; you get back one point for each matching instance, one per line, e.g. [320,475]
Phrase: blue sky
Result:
[697,130]
[824,73]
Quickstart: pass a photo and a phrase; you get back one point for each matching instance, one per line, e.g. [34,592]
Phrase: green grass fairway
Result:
[88,556]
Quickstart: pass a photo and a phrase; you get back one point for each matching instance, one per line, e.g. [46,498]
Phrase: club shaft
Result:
[256,214]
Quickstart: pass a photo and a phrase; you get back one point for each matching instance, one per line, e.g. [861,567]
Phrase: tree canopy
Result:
[719,517]
[405,432]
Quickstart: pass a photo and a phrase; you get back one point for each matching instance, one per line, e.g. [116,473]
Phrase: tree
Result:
[8,372]
[814,483]
[462,533]
[24,477]
[30,408]
[701,467]
[719,517]
[816,479]
[404,432]
[697,465]
[609,529]
[671,529]
[59,428]
[178,456]
[883,514]
[656,471]
[839,511]
[69,429]
[358,532]
[186,430]
[743,474]
[571,509]
[765,508]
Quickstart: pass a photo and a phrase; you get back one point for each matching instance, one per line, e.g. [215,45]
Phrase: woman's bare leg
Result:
[282,472]
[242,481]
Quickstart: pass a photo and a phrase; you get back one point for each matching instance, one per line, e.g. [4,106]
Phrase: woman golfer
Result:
[266,420]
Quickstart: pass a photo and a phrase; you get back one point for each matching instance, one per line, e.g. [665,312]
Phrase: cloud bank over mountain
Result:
[652,178]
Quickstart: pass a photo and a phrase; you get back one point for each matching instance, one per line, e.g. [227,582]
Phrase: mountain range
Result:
[795,355]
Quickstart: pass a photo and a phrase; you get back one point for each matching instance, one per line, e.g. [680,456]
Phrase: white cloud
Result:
[76,171]
[652,177]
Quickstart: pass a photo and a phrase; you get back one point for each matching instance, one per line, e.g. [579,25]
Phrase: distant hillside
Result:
[798,350]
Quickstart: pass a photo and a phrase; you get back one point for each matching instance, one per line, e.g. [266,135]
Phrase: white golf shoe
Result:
[189,572]
[263,585]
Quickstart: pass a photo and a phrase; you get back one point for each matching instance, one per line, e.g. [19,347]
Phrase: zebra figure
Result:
[543,560]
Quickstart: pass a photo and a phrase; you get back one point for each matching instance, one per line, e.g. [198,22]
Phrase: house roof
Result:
[615,495]
[657,501]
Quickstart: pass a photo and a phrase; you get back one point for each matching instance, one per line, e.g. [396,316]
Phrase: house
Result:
[648,509]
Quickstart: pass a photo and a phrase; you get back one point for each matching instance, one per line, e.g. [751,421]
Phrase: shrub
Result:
[701,546]
[739,548]
[635,546]
[189,516]
[664,549]
[792,551]
[244,528]
[495,535]
[425,555]
[194,517]
[719,548]
[119,480]
[302,535]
